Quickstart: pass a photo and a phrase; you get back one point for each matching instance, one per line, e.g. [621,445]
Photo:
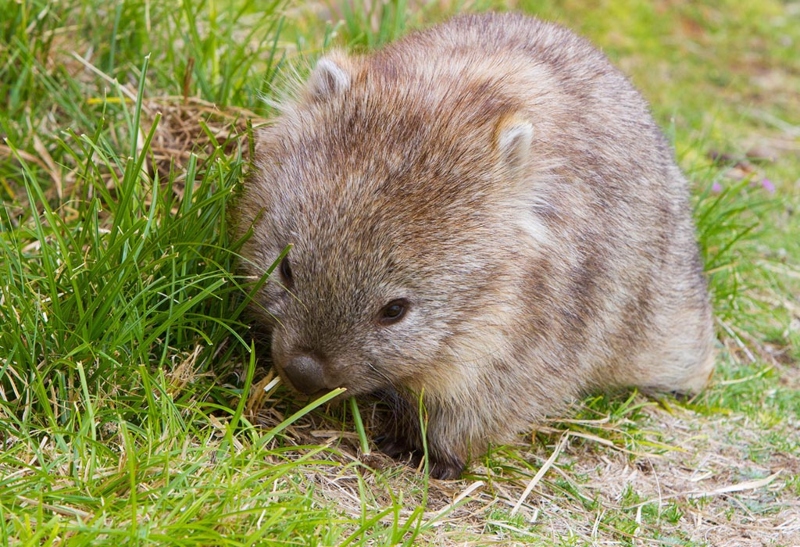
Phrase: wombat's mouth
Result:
[305,388]
[311,377]
[309,397]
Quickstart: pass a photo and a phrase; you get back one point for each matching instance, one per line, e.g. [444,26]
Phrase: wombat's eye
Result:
[393,311]
[285,270]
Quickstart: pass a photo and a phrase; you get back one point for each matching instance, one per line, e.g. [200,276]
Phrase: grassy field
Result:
[133,410]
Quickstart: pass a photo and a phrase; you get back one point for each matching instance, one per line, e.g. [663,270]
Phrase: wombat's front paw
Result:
[448,467]
[399,448]
[445,467]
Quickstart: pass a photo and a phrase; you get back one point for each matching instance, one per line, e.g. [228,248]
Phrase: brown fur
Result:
[498,174]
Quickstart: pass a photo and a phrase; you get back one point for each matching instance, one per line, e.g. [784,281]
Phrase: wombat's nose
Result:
[305,373]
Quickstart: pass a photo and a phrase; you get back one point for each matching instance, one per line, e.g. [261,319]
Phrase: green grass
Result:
[132,404]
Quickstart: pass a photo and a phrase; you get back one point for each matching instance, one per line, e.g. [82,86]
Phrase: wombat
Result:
[484,215]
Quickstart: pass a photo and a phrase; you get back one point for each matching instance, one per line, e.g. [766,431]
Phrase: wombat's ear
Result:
[330,78]
[512,139]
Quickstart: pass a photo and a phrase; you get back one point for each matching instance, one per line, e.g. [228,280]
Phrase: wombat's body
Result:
[484,213]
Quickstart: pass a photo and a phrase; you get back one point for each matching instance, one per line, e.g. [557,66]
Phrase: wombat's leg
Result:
[399,435]
[401,439]
[445,465]
[447,442]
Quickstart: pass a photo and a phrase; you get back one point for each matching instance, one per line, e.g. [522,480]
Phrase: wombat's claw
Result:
[378,439]
[682,396]
[449,469]
[398,448]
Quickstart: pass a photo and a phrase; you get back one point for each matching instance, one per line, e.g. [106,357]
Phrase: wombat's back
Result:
[486,213]
[614,247]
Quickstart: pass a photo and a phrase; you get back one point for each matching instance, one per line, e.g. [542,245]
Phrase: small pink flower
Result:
[716,188]
[767,185]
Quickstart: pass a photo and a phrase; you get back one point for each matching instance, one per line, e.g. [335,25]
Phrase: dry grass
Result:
[687,477]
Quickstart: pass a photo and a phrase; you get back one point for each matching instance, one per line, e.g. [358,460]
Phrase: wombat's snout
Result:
[305,373]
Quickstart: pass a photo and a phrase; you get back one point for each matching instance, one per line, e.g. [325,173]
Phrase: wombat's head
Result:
[398,197]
